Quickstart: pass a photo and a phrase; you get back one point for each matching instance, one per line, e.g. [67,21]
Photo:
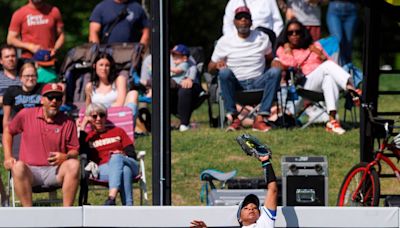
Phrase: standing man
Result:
[36,26]
[49,148]
[116,21]
[240,59]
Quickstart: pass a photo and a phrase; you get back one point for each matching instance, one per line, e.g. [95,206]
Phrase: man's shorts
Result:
[44,176]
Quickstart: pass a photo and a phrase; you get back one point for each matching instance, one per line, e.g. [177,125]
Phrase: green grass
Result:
[205,147]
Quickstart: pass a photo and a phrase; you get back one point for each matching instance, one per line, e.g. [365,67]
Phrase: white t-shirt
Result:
[266,220]
[264,13]
[245,57]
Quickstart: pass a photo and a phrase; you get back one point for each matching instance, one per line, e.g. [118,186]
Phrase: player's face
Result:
[249,214]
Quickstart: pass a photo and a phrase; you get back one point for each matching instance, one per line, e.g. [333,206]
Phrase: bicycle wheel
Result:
[358,191]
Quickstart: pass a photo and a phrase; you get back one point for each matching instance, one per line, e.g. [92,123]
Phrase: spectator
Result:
[106,87]
[18,97]
[183,95]
[341,19]
[180,65]
[250,213]
[296,49]
[9,75]
[307,12]
[113,151]
[241,61]
[36,26]
[184,89]
[127,23]
[265,14]
[49,148]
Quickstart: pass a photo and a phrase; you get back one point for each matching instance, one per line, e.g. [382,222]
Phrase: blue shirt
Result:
[128,29]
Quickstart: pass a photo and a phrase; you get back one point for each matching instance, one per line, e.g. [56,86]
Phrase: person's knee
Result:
[225,74]
[72,167]
[127,172]
[115,158]
[275,72]
[20,170]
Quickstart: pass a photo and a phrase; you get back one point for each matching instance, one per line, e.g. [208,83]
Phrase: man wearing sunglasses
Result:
[49,148]
[241,61]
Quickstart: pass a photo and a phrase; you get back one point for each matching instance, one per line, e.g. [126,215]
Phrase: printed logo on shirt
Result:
[103,142]
[32,20]
[28,101]
[130,16]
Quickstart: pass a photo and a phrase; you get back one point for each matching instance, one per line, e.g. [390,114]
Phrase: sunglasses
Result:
[51,97]
[101,115]
[294,32]
[242,15]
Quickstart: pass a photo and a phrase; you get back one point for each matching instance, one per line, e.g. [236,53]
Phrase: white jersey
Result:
[245,57]
[266,220]
[264,13]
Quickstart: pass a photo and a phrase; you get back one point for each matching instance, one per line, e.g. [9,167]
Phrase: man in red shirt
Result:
[49,148]
[35,26]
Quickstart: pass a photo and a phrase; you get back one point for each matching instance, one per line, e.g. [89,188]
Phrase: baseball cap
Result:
[52,88]
[181,49]
[43,58]
[242,10]
[251,198]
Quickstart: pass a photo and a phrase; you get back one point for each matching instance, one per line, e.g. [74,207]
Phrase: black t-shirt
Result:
[19,99]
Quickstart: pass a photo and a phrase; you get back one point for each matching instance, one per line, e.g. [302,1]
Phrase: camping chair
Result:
[121,117]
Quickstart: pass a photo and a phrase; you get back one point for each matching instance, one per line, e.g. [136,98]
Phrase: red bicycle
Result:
[361,186]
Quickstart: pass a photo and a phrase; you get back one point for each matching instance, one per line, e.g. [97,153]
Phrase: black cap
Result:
[251,198]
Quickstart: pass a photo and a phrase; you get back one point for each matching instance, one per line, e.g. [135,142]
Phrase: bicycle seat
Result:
[212,174]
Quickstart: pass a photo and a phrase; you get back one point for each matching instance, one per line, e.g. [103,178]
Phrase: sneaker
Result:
[260,125]
[110,202]
[183,128]
[334,127]
[236,125]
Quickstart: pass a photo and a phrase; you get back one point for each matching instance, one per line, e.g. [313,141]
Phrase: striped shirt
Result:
[6,82]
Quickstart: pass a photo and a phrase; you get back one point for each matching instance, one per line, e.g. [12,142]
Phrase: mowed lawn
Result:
[204,147]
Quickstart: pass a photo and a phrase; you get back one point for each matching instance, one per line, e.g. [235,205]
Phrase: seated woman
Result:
[113,151]
[296,49]
[108,88]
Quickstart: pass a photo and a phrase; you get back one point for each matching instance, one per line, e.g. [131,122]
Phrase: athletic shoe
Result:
[236,125]
[110,202]
[334,127]
[183,128]
[260,125]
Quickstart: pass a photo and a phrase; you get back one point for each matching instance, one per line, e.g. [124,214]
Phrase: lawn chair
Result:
[121,117]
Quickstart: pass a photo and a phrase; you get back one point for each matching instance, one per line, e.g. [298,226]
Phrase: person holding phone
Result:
[48,151]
